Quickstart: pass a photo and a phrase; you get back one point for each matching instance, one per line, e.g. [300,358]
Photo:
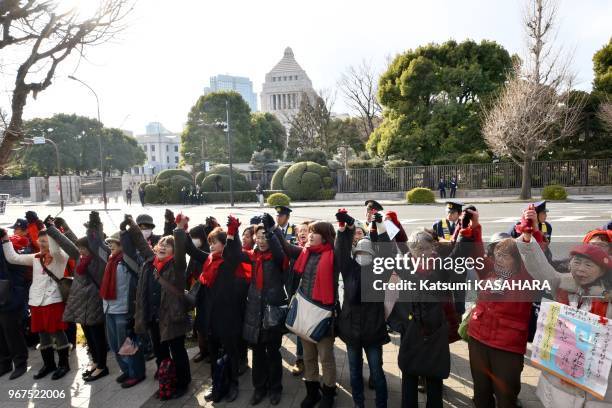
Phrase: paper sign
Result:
[392,230]
[574,345]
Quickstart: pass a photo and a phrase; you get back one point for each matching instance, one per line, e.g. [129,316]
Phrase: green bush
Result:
[391,164]
[327,194]
[239,182]
[554,192]
[328,182]
[224,197]
[169,173]
[143,184]
[473,158]
[170,189]
[277,178]
[152,194]
[420,195]
[304,180]
[365,164]
[199,177]
[278,199]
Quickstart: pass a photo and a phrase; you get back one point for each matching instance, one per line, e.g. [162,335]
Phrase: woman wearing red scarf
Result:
[160,306]
[315,263]
[45,300]
[219,304]
[264,324]
[587,287]
[84,305]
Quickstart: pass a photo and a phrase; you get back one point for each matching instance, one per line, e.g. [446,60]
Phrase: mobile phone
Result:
[467,216]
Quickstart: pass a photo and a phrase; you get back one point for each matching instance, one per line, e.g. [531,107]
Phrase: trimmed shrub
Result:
[420,195]
[152,194]
[143,184]
[169,173]
[327,194]
[239,183]
[199,177]
[313,155]
[304,180]
[328,182]
[277,178]
[473,158]
[554,192]
[170,189]
[365,164]
[278,199]
[391,164]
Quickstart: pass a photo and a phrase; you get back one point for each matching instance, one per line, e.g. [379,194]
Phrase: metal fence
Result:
[476,176]
[15,188]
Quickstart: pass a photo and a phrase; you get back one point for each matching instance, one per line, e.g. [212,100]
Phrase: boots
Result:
[48,363]
[62,367]
[313,394]
[329,393]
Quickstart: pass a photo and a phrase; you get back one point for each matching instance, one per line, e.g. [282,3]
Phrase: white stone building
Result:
[284,88]
[161,148]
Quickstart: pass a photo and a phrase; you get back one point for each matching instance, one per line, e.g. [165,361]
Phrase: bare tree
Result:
[605,114]
[534,109]
[359,87]
[309,126]
[43,35]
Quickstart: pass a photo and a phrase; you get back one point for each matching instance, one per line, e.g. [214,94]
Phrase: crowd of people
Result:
[241,287]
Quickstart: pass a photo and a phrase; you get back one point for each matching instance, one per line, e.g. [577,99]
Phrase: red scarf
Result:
[19,242]
[211,269]
[160,263]
[84,261]
[324,277]
[108,289]
[598,307]
[259,258]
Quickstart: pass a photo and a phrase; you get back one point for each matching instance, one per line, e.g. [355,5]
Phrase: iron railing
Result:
[476,176]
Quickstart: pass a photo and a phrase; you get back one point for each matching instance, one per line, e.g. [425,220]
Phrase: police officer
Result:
[282,220]
[445,228]
[372,207]
[544,226]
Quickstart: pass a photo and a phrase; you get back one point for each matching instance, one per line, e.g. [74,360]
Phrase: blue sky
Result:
[159,66]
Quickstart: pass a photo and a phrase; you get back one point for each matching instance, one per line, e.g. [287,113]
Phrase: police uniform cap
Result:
[454,206]
[283,210]
[540,206]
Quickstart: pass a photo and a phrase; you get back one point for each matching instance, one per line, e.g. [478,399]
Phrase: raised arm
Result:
[64,243]
[180,237]
[56,252]
[537,264]
[11,256]
[141,245]
[194,252]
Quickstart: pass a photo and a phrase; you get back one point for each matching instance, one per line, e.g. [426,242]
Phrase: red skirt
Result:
[48,319]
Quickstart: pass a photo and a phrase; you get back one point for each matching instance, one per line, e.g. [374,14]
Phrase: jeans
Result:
[355,360]
[117,332]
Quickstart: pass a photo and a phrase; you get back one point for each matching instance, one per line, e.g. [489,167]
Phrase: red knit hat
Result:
[606,234]
[595,254]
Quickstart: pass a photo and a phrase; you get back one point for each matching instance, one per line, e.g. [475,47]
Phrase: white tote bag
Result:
[308,320]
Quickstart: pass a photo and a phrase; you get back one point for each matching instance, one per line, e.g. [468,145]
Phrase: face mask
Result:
[197,242]
[363,259]
[147,233]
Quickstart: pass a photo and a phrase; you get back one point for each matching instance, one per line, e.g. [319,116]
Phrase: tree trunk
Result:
[526,179]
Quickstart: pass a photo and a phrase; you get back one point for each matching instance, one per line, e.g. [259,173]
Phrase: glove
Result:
[94,220]
[169,215]
[3,233]
[123,225]
[232,225]
[377,217]
[268,221]
[255,220]
[343,218]
[180,218]
[211,222]
[48,222]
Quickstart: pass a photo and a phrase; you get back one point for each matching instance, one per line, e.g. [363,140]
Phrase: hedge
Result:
[277,178]
[554,192]
[420,195]
[304,180]
[170,189]
[199,177]
[239,183]
[276,199]
[169,173]
[152,194]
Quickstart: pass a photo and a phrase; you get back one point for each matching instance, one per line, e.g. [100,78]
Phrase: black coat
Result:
[220,308]
[15,275]
[360,324]
[272,293]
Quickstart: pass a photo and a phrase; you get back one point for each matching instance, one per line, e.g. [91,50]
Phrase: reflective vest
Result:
[446,230]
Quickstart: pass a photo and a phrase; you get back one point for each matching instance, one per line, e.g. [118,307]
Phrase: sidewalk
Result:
[105,392]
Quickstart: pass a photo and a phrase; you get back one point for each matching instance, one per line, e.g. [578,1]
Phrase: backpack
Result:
[166,376]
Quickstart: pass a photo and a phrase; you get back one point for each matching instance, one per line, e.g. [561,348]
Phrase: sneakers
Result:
[130,382]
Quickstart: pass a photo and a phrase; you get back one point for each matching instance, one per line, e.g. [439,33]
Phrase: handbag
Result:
[191,296]
[307,319]
[63,284]
[5,292]
[274,316]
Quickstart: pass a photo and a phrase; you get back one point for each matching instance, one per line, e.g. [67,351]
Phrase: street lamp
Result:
[99,138]
[40,140]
